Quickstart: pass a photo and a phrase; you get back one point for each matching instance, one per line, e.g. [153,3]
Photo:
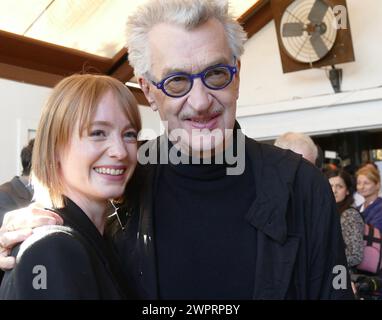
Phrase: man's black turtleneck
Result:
[205,247]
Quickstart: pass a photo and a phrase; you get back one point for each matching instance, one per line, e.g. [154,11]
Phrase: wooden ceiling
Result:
[36,62]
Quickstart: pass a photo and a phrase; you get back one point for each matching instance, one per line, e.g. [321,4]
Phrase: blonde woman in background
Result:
[368,185]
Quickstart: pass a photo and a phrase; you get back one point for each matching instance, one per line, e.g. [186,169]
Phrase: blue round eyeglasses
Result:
[178,84]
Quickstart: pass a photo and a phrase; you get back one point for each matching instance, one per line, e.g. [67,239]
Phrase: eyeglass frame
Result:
[232,69]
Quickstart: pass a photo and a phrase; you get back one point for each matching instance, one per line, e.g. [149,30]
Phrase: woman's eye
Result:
[131,135]
[97,133]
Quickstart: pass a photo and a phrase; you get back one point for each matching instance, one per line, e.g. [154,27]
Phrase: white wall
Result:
[151,122]
[20,110]
[271,102]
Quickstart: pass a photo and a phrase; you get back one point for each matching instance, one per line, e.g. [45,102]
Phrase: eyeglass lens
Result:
[214,78]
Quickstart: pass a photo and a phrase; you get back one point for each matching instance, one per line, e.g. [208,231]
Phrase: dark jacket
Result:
[299,239]
[373,213]
[13,195]
[65,262]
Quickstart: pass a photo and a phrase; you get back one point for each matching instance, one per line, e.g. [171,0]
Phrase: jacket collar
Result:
[21,190]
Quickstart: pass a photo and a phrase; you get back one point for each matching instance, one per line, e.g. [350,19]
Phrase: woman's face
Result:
[97,165]
[366,187]
[339,188]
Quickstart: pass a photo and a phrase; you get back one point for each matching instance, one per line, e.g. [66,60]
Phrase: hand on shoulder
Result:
[17,226]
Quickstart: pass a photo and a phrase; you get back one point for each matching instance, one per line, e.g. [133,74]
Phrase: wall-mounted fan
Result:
[308,30]
[308,34]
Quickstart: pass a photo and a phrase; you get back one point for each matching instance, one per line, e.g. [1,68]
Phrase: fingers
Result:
[48,213]
[29,217]
[7,263]
[8,239]
[17,226]
[32,221]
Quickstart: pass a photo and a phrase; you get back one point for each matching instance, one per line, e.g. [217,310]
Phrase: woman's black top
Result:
[73,261]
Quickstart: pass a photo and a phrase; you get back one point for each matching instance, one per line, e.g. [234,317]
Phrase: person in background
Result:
[352,224]
[358,199]
[368,185]
[299,143]
[18,192]
[320,158]
[85,153]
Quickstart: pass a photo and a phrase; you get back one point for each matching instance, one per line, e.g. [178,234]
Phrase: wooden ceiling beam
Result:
[256,17]
[47,57]
[121,68]
[39,78]
[122,71]
[45,64]
[139,95]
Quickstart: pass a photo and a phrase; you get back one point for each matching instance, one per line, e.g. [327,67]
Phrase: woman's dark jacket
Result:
[65,262]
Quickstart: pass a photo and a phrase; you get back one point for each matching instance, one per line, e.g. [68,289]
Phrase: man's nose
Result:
[117,148]
[199,97]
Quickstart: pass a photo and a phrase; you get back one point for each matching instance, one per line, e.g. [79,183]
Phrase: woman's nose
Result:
[118,149]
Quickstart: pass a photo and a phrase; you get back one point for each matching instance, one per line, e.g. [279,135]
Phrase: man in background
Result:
[17,193]
[299,143]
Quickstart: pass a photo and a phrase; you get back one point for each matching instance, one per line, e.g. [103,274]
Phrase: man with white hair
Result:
[299,143]
[194,231]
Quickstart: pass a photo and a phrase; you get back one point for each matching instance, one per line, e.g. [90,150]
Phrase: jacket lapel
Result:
[276,248]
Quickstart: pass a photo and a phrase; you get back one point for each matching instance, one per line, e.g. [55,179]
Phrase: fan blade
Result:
[293,29]
[318,45]
[318,12]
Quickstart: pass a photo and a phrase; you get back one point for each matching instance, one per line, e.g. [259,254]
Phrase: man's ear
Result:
[145,86]
[238,66]
[238,78]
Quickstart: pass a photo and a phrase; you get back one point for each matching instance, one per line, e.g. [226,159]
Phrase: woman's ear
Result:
[58,162]
[145,86]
